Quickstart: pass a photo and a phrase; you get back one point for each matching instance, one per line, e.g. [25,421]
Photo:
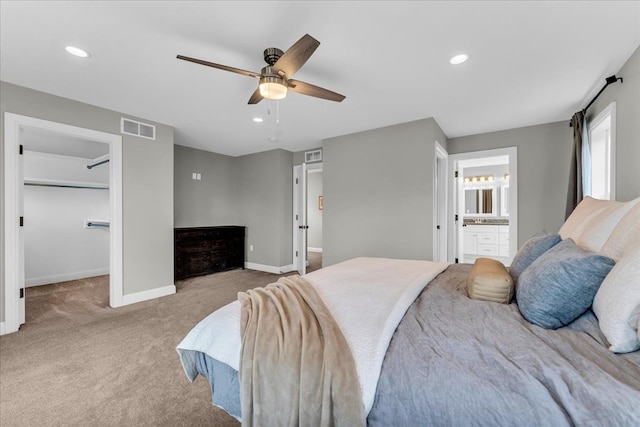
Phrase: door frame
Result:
[455,235]
[299,252]
[13,208]
[440,205]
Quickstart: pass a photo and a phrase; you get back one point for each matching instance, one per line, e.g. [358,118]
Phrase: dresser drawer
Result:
[490,238]
[487,250]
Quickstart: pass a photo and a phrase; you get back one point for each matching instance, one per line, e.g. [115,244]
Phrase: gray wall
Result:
[627,98]
[265,200]
[378,192]
[147,183]
[253,190]
[211,201]
[543,159]
[314,214]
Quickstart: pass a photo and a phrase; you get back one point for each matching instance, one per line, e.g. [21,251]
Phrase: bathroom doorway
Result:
[485,205]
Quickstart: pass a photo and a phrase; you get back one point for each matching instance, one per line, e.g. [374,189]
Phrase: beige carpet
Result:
[79,362]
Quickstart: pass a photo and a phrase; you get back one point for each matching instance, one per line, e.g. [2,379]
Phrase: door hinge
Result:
[21,292]
[296,254]
[296,217]
[456,260]
[437,227]
[456,217]
[296,180]
[21,221]
[455,174]
[21,149]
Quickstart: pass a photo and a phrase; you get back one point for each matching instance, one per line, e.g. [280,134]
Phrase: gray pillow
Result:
[530,251]
[560,285]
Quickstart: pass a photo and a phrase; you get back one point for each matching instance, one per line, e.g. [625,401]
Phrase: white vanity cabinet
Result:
[486,241]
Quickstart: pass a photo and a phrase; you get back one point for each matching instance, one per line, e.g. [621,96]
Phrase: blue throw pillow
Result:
[560,285]
[530,251]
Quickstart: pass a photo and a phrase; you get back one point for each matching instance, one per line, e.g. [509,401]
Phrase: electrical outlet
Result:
[250,248]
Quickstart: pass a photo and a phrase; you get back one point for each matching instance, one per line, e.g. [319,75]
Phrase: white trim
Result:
[147,295]
[310,249]
[14,251]
[1,328]
[57,278]
[269,268]
[440,154]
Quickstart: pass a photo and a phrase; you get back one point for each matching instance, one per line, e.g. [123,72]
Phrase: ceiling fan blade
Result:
[221,67]
[312,90]
[255,97]
[297,55]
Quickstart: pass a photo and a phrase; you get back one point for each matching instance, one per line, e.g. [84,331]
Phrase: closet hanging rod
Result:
[40,184]
[103,224]
[608,80]
[97,163]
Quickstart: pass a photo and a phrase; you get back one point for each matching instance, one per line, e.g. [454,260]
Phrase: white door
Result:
[440,204]
[300,218]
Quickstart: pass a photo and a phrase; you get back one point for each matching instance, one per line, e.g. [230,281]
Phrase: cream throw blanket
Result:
[296,368]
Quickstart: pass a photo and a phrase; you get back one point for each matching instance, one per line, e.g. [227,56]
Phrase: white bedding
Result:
[367,297]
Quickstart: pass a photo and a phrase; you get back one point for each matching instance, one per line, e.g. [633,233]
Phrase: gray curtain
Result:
[574,193]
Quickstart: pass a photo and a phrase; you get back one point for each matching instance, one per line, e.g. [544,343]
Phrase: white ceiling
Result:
[529,63]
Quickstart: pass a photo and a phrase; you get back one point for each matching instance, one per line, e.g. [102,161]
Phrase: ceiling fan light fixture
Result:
[272,87]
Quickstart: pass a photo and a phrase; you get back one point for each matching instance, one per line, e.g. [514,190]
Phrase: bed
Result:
[426,353]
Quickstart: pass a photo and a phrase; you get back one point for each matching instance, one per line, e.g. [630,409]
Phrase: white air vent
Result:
[313,156]
[143,130]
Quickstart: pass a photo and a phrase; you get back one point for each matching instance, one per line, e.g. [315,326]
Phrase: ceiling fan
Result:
[275,78]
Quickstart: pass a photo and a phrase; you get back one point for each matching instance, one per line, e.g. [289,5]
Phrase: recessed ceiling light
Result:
[257,119]
[77,51]
[458,59]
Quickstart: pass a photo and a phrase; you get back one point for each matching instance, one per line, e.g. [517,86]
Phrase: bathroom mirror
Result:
[480,201]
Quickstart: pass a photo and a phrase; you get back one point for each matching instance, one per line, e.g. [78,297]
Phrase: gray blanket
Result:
[296,368]
[454,361]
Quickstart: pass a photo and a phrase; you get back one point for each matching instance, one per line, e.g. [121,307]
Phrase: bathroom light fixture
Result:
[76,51]
[258,119]
[506,177]
[458,59]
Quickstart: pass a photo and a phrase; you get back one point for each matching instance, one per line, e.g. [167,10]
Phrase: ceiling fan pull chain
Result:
[277,113]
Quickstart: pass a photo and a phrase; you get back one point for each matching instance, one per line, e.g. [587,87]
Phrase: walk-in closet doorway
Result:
[63,220]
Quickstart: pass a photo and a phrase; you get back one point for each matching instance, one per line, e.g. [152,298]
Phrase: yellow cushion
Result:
[489,280]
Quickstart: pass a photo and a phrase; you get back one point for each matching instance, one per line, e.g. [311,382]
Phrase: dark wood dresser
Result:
[204,250]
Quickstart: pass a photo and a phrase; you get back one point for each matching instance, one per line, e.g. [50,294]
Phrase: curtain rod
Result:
[609,80]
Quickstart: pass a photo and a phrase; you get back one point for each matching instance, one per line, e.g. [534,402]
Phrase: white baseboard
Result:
[310,249]
[1,328]
[269,268]
[57,278]
[147,295]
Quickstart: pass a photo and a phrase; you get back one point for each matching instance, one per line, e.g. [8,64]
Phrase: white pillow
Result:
[625,236]
[617,303]
[592,222]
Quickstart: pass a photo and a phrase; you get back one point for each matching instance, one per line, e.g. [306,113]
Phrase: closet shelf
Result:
[65,184]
